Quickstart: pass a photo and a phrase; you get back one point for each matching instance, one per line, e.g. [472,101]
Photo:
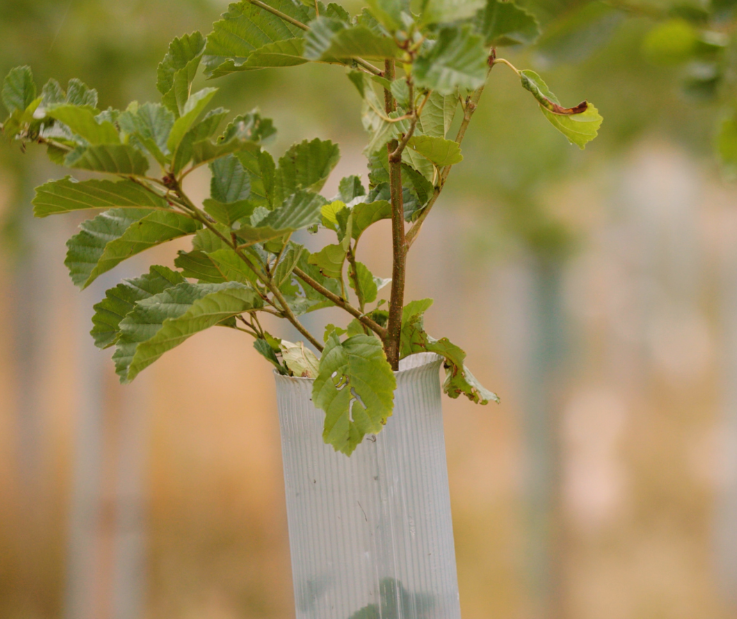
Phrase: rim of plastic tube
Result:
[416,361]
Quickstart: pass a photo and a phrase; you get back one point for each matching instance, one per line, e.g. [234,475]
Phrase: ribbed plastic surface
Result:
[371,536]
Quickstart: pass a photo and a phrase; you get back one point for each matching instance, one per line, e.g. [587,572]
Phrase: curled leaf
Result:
[301,361]
[580,124]
[533,82]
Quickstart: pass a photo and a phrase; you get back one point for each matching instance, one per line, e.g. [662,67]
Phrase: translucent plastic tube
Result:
[371,536]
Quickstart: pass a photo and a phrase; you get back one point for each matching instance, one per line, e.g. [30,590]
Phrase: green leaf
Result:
[411,202]
[206,240]
[367,213]
[82,122]
[120,301]
[246,28]
[221,265]
[355,387]
[161,322]
[417,189]
[389,12]
[251,127]
[336,12]
[372,113]
[414,161]
[299,211]
[330,39]
[330,329]
[368,284]
[413,337]
[118,234]
[437,115]
[265,349]
[195,105]
[206,151]
[306,165]
[201,266]
[365,18]
[301,361]
[350,187]
[421,187]
[315,300]
[439,11]
[261,168]
[19,90]
[330,214]
[198,148]
[78,93]
[196,142]
[230,181]
[208,126]
[288,262]
[400,91]
[415,310]
[227,213]
[286,53]
[505,23]
[110,158]
[52,94]
[182,50]
[177,70]
[150,124]
[330,260]
[579,124]
[457,60]
[355,328]
[68,194]
[458,379]
[440,151]
[579,128]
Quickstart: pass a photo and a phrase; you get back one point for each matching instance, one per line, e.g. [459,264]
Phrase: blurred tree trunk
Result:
[30,296]
[543,370]
[105,576]
[726,514]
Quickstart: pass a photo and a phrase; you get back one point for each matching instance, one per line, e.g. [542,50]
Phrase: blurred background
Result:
[595,291]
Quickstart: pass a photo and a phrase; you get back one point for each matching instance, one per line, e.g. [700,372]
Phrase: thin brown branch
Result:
[399,252]
[342,303]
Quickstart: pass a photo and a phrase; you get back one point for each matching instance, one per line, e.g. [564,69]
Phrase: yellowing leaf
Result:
[300,360]
[580,124]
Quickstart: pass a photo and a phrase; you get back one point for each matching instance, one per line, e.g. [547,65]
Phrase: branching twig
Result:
[284,309]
